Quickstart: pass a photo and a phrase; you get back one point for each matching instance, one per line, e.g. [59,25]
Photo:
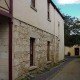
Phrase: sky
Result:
[70,7]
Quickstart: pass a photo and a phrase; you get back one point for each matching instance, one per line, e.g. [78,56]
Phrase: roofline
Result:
[55,7]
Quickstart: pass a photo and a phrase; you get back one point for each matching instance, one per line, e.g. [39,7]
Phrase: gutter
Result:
[55,7]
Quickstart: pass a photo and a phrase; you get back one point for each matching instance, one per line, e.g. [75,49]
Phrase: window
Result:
[48,50]
[32,41]
[48,9]
[58,23]
[33,3]
[58,29]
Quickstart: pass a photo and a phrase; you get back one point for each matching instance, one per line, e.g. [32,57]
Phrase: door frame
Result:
[10,22]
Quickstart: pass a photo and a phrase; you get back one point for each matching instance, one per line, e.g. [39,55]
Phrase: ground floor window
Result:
[32,48]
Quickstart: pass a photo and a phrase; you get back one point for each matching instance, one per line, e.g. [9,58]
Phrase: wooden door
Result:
[48,50]
[76,51]
[32,40]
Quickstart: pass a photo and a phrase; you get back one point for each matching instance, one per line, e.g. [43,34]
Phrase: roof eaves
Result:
[55,7]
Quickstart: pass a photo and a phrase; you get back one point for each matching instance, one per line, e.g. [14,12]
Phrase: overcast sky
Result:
[70,7]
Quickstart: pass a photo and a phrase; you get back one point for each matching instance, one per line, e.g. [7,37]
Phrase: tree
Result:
[71,31]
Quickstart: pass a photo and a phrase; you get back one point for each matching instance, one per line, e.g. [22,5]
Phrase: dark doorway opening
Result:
[48,50]
[32,41]
[76,51]
[4,52]
[69,54]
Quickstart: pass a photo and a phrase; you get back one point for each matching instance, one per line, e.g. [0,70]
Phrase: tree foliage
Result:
[71,31]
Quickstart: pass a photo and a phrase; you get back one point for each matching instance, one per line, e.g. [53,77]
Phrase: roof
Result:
[55,7]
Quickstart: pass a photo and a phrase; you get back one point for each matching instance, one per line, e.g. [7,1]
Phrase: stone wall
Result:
[21,47]
[4,51]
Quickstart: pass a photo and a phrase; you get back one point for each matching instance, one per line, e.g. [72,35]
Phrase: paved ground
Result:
[48,75]
[70,72]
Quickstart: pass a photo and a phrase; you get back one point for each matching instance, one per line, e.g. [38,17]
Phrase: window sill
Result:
[32,68]
[49,20]
[48,62]
[33,8]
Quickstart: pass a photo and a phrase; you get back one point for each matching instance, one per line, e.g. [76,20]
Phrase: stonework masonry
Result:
[56,54]
[29,36]
[4,51]
[21,47]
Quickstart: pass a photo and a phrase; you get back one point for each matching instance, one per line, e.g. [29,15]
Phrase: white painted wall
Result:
[59,32]
[3,4]
[23,12]
[66,50]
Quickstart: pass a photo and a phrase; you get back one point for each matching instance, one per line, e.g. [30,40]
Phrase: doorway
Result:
[4,45]
[48,50]
[77,51]
[32,42]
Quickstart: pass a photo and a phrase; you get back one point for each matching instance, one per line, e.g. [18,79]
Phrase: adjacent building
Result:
[72,51]
[31,36]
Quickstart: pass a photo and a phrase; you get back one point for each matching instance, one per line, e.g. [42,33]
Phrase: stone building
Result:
[31,36]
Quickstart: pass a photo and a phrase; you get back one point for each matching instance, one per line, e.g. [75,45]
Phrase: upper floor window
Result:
[58,29]
[33,3]
[48,10]
[58,24]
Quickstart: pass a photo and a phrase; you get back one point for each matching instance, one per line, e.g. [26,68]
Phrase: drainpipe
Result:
[10,49]
[54,35]
[10,39]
